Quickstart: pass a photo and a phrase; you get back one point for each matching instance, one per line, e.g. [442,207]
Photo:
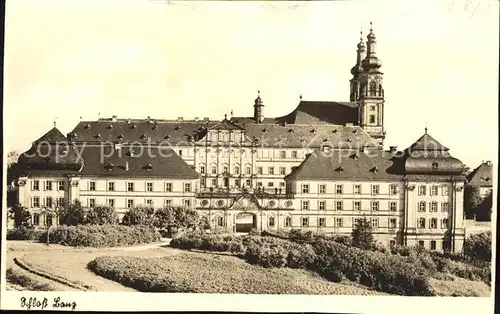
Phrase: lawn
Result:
[212,273]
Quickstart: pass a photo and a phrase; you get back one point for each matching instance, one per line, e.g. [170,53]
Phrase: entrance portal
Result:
[245,222]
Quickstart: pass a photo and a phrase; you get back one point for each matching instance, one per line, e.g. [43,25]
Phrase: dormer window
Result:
[355,131]
[98,135]
[313,131]
[74,135]
[155,128]
[264,130]
[349,140]
[120,137]
[291,131]
[375,169]
[325,140]
[133,127]
[87,126]
[167,136]
[435,165]
[355,156]
[334,131]
[144,137]
[340,169]
[131,153]
[111,166]
[177,128]
[148,167]
[110,126]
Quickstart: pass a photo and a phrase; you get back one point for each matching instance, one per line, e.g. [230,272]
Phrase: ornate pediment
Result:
[246,203]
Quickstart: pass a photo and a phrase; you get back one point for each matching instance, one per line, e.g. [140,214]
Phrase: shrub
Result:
[23,233]
[298,234]
[21,216]
[101,235]
[379,271]
[362,236]
[266,255]
[72,215]
[101,215]
[301,256]
[254,232]
[478,246]
[174,218]
[139,216]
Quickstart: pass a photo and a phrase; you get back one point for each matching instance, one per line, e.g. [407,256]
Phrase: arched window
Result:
[433,224]
[237,169]
[421,206]
[421,222]
[287,221]
[373,88]
[202,168]
[220,221]
[272,221]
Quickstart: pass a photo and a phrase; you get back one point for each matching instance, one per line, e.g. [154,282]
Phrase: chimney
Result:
[196,118]
[114,118]
[126,166]
[393,149]
[206,119]
[488,162]
[180,119]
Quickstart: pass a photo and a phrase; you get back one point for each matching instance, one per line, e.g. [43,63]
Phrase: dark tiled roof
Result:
[52,136]
[151,162]
[338,165]
[312,136]
[482,175]
[313,112]
[428,156]
[226,125]
[139,131]
[51,156]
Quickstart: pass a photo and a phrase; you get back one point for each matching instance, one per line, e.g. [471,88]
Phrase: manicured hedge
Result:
[23,233]
[101,235]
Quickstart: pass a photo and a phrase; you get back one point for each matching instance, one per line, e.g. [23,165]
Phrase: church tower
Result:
[371,93]
[357,69]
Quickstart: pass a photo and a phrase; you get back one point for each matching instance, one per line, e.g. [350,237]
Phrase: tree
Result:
[478,246]
[72,215]
[362,236]
[101,215]
[483,212]
[472,200]
[174,218]
[139,216]
[21,216]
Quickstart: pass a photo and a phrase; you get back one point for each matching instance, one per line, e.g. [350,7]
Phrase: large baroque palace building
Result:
[320,167]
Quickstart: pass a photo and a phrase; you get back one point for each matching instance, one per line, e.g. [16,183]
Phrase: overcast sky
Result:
[70,59]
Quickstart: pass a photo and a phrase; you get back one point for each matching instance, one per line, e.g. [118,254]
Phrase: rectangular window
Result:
[433,223]
[60,202]
[271,221]
[339,222]
[374,223]
[305,222]
[111,186]
[339,205]
[180,152]
[305,205]
[35,185]
[372,118]
[203,182]
[288,221]
[421,243]
[357,189]
[36,219]
[92,186]
[130,203]
[355,222]
[149,202]
[322,189]
[248,171]
[446,245]
[321,222]
[393,206]
[283,154]
[48,202]
[130,186]
[60,186]
[357,205]
[393,189]
[271,170]
[187,187]
[339,188]
[48,185]
[149,186]
[259,183]
[214,182]
[202,169]
[421,206]
[260,170]
[421,189]
[214,170]
[168,187]
[392,243]
[294,154]
[168,202]
[248,182]
[35,202]
[282,171]
[187,203]
[270,184]
[237,182]
[237,170]
[111,202]
[421,223]
[434,207]
[305,188]
[321,205]
[375,189]
[91,202]
[444,206]
[392,223]
[444,223]
[282,184]
[445,190]
[375,205]
[434,191]
[225,169]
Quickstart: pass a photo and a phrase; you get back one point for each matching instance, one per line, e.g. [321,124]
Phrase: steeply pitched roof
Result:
[427,143]
[337,165]
[148,162]
[226,125]
[313,112]
[482,175]
[52,136]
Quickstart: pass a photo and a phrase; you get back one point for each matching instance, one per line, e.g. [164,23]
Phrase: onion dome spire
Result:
[361,52]
[371,62]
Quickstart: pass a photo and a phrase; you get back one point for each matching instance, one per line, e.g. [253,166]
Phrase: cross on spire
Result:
[55,118]
[425,127]
[371,26]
